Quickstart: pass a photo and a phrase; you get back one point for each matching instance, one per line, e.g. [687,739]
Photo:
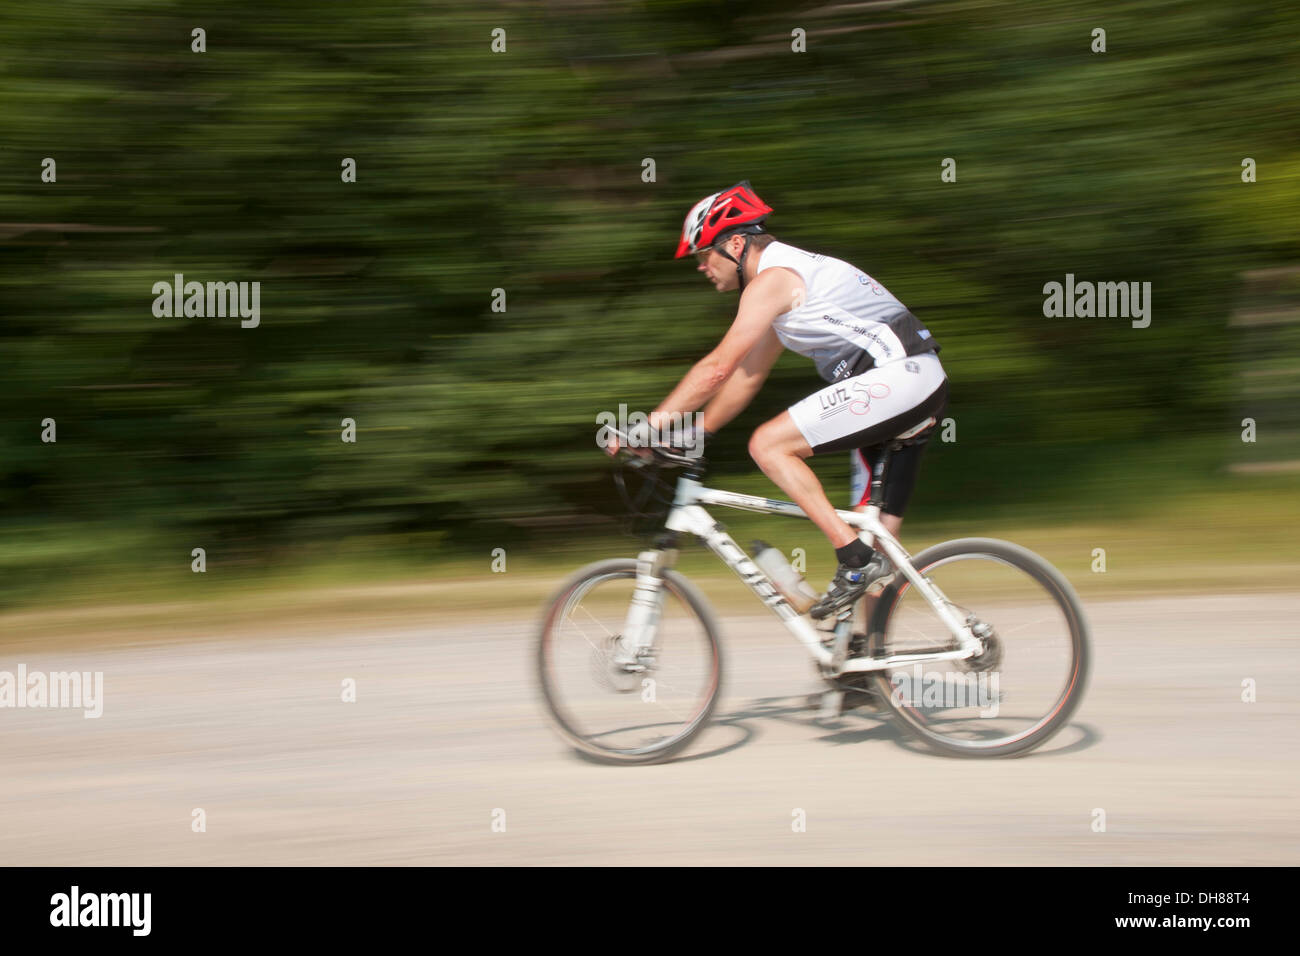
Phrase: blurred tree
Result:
[522,170]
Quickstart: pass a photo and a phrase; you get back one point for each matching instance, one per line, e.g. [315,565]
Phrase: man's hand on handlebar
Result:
[635,441]
[640,440]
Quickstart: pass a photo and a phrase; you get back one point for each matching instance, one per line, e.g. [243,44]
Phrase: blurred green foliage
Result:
[522,171]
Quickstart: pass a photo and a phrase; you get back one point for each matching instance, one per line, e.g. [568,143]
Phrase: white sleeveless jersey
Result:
[848,322]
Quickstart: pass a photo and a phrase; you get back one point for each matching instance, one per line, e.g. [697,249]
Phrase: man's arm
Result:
[744,383]
[768,296]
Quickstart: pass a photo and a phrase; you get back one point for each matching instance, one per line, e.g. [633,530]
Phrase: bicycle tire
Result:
[1064,597]
[691,598]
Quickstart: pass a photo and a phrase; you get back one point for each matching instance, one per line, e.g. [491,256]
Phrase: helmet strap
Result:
[740,263]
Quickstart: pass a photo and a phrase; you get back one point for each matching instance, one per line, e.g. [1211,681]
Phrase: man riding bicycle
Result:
[882,364]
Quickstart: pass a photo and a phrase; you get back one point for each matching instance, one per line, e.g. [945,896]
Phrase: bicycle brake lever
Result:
[674,457]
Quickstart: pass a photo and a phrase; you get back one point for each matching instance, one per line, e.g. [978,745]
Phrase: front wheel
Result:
[1030,676]
[616,713]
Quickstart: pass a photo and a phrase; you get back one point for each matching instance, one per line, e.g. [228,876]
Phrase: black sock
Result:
[855,554]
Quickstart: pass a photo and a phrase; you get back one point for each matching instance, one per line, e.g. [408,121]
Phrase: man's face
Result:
[720,270]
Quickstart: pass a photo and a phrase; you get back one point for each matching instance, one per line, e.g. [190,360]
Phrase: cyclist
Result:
[881,362]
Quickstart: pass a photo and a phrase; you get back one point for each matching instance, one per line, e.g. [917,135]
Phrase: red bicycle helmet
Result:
[722,213]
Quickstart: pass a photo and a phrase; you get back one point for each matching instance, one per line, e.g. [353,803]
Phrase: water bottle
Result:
[787,580]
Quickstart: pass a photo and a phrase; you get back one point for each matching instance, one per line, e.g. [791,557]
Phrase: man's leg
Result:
[780,450]
[903,469]
[893,524]
[856,413]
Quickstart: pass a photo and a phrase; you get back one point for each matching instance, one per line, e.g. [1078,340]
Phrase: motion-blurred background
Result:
[525,171]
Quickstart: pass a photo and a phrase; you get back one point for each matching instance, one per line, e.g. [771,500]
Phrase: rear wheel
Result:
[644,713]
[1029,679]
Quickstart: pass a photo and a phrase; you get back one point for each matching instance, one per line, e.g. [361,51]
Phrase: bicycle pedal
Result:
[878,586]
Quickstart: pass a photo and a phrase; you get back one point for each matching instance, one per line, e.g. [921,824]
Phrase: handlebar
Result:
[648,504]
[662,455]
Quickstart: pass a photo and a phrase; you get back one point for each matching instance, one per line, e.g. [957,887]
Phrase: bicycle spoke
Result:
[1032,645]
[599,703]
[1021,627]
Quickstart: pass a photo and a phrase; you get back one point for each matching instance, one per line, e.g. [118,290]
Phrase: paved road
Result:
[446,730]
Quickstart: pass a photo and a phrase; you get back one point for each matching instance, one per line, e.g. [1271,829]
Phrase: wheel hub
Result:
[991,656]
[612,675]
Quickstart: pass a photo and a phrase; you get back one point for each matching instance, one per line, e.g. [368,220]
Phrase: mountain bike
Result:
[979,646]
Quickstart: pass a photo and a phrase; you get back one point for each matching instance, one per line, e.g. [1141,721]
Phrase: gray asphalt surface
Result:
[448,734]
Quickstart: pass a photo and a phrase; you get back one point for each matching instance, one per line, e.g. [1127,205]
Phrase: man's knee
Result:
[765,444]
[774,440]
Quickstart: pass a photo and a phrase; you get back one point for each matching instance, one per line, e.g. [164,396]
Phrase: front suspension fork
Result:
[642,621]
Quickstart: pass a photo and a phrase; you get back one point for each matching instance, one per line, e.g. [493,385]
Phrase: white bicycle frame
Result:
[688,515]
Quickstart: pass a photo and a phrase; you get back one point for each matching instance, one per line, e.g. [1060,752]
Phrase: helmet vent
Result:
[724,213]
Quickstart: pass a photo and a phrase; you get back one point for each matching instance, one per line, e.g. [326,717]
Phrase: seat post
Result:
[878,466]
